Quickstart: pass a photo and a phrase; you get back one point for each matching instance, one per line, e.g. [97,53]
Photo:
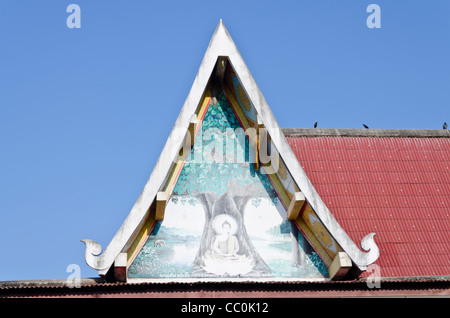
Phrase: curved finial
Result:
[368,244]
[93,249]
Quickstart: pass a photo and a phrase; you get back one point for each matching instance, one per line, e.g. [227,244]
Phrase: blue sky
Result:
[84,113]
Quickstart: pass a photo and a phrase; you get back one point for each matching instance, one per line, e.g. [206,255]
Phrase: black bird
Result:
[445,126]
[315,124]
[365,126]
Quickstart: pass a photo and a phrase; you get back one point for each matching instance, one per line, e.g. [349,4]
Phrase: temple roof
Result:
[392,182]
[357,183]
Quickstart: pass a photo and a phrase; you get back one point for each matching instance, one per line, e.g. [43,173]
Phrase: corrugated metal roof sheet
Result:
[398,188]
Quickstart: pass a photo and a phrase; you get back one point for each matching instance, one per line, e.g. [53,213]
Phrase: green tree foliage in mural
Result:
[220,155]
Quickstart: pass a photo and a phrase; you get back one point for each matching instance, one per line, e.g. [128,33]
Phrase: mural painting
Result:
[224,219]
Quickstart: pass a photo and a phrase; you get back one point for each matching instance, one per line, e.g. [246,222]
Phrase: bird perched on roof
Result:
[445,126]
[365,126]
[315,124]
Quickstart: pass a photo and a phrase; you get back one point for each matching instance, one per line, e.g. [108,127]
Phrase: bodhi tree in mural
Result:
[225,246]
[219,175]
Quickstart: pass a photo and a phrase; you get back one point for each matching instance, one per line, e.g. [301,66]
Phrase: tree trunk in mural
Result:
[299,254]
[228,209]
[298,257]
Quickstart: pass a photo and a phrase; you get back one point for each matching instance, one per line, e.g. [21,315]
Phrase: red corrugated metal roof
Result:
[397,187]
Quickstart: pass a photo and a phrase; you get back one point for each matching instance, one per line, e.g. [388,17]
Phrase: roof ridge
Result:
[356,132]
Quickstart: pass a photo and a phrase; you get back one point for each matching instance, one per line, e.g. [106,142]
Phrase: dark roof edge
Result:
[92,282]
[352,132]
[37,283]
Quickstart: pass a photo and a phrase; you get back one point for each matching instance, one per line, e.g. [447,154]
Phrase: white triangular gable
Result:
[221,45]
